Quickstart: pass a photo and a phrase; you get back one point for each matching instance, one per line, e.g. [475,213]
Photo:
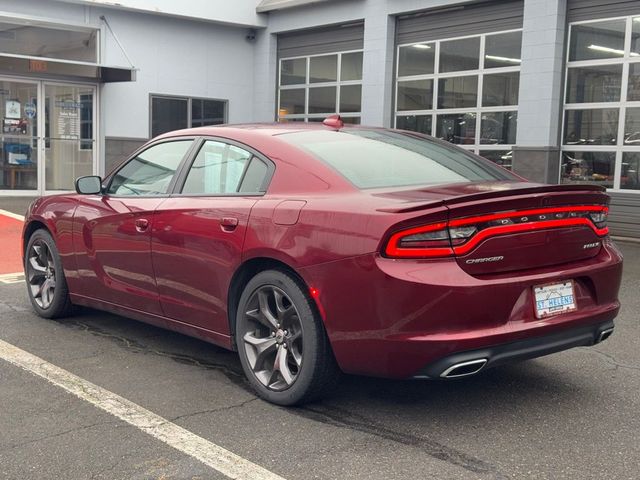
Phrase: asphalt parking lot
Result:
[569,415]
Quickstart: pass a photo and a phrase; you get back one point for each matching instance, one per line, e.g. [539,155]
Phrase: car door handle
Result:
[228,224]
[142,224]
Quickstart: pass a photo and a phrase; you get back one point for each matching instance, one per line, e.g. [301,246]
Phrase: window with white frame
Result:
[312,87]
[601,126]
[463,90]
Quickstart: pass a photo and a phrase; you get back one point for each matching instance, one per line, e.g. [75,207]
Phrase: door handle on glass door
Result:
[142,224]
[228,224]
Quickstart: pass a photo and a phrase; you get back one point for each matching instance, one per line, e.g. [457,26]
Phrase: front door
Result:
[112,232]
[47,135]
[69,135]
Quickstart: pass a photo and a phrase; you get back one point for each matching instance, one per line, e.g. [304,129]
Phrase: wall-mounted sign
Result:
[37,66]
[12,109]
[68,104]
[68,125]
[30,110]
[14,126]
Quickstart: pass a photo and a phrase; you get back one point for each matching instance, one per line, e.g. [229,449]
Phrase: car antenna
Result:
[333,121]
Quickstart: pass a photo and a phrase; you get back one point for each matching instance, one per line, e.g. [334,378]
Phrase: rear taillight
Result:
[420,242]
[461,235]
[600,218]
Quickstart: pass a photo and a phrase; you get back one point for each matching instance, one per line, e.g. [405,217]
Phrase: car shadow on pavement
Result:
[514,382]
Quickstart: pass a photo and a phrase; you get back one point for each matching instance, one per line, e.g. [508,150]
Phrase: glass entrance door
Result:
[69,135]
[18,136]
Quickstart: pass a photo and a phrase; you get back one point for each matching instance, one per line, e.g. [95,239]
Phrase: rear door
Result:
[112,232]
[198,233]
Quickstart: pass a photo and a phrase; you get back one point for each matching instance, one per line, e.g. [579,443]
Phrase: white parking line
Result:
[12,215]
[212,455]
[17,277]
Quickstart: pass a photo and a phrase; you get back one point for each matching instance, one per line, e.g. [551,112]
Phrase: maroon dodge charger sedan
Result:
[318,248]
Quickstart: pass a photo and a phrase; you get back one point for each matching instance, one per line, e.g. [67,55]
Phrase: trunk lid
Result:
[519,225]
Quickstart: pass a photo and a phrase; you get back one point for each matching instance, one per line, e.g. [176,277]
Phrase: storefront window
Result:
[460,55]
[322,100]
[417,123]
[174,113]
[501,89]
[597,40]
[323,69]
[630,178]
[601,128]
[458,92]
[18,143]
[594,84]
[503,50]
[448,89]
[457,128]
[588,166]
[313,87]
[591,127]
[415,95]
[416,59]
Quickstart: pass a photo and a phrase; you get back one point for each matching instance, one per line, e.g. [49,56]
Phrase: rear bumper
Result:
[471,362]
[396,318]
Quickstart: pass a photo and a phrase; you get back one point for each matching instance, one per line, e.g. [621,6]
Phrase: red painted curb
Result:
[10,238]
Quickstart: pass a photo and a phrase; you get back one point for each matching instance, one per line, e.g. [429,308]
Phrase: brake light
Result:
[426,241]
[461,235]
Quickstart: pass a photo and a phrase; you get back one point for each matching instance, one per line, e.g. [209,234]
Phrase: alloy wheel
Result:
[41,274]
[273,338]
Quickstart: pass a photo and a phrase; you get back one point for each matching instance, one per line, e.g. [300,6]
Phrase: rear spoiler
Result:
[533,189]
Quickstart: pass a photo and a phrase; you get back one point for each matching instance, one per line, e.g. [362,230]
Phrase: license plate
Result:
[554,298]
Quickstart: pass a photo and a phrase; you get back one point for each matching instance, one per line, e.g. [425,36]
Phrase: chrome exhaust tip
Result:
[604,334]
[464,369]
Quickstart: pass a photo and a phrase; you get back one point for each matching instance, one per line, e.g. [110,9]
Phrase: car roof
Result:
[259,129]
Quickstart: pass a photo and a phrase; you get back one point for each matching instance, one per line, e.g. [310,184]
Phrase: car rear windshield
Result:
[384,158]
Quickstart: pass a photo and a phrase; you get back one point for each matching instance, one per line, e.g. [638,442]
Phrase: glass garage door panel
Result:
[18,136]
[69,136]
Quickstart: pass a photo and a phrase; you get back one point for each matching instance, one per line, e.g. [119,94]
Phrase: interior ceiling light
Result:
[422,46]
[503,59]
[600,48]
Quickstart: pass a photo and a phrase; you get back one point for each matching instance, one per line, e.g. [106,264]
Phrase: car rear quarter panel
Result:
[388,317]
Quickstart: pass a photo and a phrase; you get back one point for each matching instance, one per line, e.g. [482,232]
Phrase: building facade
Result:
[547,88]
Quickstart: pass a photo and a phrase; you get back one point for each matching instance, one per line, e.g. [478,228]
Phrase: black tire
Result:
[304,345]
[42,267]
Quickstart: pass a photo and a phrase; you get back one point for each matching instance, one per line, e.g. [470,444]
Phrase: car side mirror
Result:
[89,185]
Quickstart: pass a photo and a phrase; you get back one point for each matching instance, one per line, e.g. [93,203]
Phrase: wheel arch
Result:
[245,272]
[29,230]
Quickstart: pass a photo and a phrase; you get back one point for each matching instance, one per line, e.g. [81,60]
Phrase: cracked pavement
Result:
[565,416]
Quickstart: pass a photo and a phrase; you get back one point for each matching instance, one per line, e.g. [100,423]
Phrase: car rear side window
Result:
[254,177]
[221,169]
[382,158]
[151,171]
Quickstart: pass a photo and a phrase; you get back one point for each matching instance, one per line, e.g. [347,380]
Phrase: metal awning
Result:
[269,5]
[12,64]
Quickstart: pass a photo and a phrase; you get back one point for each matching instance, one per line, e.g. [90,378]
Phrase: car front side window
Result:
[151,171]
